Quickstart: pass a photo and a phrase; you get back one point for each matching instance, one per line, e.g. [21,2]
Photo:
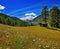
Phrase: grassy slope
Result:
[33,37]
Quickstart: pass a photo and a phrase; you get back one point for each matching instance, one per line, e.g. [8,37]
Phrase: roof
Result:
[44,22]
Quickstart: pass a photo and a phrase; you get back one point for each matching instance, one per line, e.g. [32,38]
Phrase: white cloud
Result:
[29,16]
[2,7]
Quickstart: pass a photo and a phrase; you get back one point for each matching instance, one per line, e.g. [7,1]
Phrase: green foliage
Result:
[44,14]
[31,24]
[13,21]
[54,17]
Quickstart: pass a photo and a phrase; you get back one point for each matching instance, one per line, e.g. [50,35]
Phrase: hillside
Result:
[32,37]
[13,21]
[36,20]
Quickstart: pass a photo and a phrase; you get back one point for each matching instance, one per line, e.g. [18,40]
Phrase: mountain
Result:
[13,21]
[36,20]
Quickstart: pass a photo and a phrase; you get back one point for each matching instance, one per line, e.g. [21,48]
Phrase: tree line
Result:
[51,17]
[13,21]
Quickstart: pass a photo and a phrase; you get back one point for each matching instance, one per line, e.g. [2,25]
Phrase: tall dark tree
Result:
[54,17]
[44,14]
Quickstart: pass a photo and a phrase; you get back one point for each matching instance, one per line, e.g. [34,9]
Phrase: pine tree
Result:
[45,14]
[54,17]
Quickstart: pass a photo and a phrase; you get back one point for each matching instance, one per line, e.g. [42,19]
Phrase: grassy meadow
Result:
[31,37]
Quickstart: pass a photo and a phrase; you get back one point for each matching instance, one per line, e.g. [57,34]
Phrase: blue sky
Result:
[18,8]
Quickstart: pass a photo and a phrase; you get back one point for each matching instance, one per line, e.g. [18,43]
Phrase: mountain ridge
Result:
[13,21]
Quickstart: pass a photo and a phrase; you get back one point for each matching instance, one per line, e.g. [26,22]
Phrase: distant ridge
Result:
[36,19]
[13,21]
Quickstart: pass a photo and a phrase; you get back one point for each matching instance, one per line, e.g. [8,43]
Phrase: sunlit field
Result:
[32,37]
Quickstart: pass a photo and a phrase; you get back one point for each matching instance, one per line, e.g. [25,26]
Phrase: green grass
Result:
[32,37]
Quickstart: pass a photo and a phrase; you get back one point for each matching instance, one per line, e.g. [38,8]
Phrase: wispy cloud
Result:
[19,10]
[2,7]
[22,13]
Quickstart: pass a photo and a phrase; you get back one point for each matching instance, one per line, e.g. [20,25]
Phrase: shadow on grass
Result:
[58,29]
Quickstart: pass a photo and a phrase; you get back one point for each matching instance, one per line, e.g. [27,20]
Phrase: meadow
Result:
[31,37]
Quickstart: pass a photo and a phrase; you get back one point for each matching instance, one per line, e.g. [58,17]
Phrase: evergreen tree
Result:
[54,17]
[44,14]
